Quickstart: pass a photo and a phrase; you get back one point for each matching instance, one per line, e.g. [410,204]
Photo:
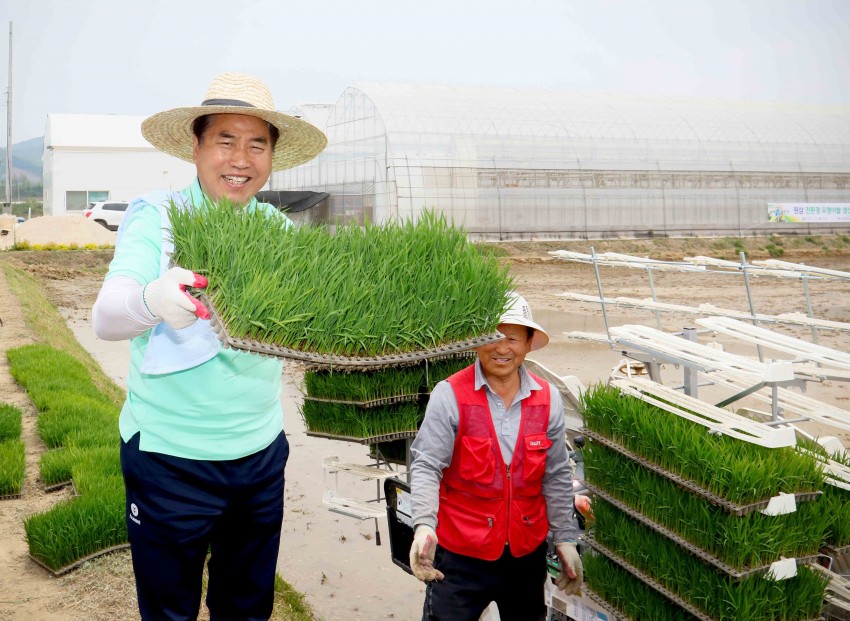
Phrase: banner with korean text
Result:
[808,212]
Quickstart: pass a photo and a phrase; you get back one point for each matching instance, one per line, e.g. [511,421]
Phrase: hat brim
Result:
[540,338]
[171,132]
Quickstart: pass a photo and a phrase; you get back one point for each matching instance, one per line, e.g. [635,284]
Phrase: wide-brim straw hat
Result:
[519,314]
[236,93]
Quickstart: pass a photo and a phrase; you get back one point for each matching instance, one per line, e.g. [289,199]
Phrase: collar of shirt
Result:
[194,195]
[526,382]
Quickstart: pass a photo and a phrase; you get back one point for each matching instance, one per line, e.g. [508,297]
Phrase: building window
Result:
[79,200]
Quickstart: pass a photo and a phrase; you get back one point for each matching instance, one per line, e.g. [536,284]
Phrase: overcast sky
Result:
[138,57]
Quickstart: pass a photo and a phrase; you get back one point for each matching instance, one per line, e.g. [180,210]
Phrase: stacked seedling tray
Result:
[379,408]
[374,312]
[684,514]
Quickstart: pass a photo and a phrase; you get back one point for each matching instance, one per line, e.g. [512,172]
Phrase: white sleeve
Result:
[119,313]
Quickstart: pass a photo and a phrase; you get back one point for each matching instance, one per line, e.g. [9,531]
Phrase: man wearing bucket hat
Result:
[203,451]
[490,478]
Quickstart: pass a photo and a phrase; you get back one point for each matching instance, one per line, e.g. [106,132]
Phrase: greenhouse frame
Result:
[520,164]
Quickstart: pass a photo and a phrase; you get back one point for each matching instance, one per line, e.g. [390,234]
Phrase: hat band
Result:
[227,102]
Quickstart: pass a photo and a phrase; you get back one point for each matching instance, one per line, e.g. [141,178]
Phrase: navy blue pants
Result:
[515,583]
[180,509]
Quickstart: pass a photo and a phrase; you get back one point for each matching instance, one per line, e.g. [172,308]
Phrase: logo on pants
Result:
[134,513]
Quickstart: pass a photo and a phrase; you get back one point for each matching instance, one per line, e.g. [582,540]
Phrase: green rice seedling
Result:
[394,451]
[75,529]
[56,467]
[11,419]
[397,287]
[12,463]
[752,540]
[627,594]
[346,420]
[752,598]
[88,419]
[440,370]
[835,503]
[738,471]
[361,386]
[42,369]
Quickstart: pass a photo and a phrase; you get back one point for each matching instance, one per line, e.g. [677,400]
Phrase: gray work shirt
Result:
[431,451]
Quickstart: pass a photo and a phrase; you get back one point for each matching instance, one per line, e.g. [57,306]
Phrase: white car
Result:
[107,213]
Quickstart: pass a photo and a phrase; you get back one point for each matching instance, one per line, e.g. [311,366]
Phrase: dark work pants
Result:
[179,509]
[470,584]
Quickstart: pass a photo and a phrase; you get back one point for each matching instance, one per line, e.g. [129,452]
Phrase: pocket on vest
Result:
[534,458]
[477,462]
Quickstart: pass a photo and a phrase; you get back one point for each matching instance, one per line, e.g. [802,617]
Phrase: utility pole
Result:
[8,204]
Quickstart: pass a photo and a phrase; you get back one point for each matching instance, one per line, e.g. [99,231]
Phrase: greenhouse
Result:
[521,164]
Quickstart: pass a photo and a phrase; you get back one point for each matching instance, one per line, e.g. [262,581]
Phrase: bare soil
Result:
[103,588]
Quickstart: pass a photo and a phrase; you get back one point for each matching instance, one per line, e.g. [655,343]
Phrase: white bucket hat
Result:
[236,93]
[519,314]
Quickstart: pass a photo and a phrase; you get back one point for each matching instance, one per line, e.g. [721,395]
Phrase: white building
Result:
[96,157]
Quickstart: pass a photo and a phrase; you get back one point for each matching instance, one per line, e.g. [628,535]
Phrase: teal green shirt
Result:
[225,408]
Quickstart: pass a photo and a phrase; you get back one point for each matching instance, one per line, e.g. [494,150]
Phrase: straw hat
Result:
[519,314]
[236,93]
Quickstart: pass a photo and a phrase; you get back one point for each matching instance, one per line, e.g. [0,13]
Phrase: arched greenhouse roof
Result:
[502,127]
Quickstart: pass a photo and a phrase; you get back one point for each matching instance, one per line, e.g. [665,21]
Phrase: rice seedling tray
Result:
[647,580]
[373,403]
[726,505]
[590,594]
[388,437]
[338,362]
[64,570]
[684,543]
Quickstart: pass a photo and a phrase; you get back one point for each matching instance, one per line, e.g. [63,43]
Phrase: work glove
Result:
[167,300]
[572,574]
[422,554]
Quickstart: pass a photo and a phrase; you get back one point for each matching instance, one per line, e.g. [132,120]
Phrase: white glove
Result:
[422,554]
[167,300]
[572,574]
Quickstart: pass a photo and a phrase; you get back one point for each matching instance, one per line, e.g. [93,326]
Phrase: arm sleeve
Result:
[558,479]
[431,453]
[119,312]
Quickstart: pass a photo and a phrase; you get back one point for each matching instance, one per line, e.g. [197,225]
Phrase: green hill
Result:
[26,159]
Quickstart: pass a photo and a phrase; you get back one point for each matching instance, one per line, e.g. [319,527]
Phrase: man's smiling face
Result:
[233,157]
[502,359]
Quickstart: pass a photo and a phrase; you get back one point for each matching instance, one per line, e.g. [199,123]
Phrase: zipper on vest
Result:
[508,474]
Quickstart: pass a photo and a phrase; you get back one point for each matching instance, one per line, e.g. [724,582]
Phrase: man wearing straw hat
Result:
[490,478]
[203,451]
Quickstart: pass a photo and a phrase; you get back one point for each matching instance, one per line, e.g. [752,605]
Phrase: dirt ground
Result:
[103,589]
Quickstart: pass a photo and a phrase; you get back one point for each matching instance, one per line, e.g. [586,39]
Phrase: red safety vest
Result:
[485,505]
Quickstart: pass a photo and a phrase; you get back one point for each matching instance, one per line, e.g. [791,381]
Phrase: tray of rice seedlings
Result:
[12,452]
[661,562]
[77,530]
[739,476]
[351,297]
[367,389]
[12,463]
[344,421]
[392,452]
[628,595]
[737,545]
